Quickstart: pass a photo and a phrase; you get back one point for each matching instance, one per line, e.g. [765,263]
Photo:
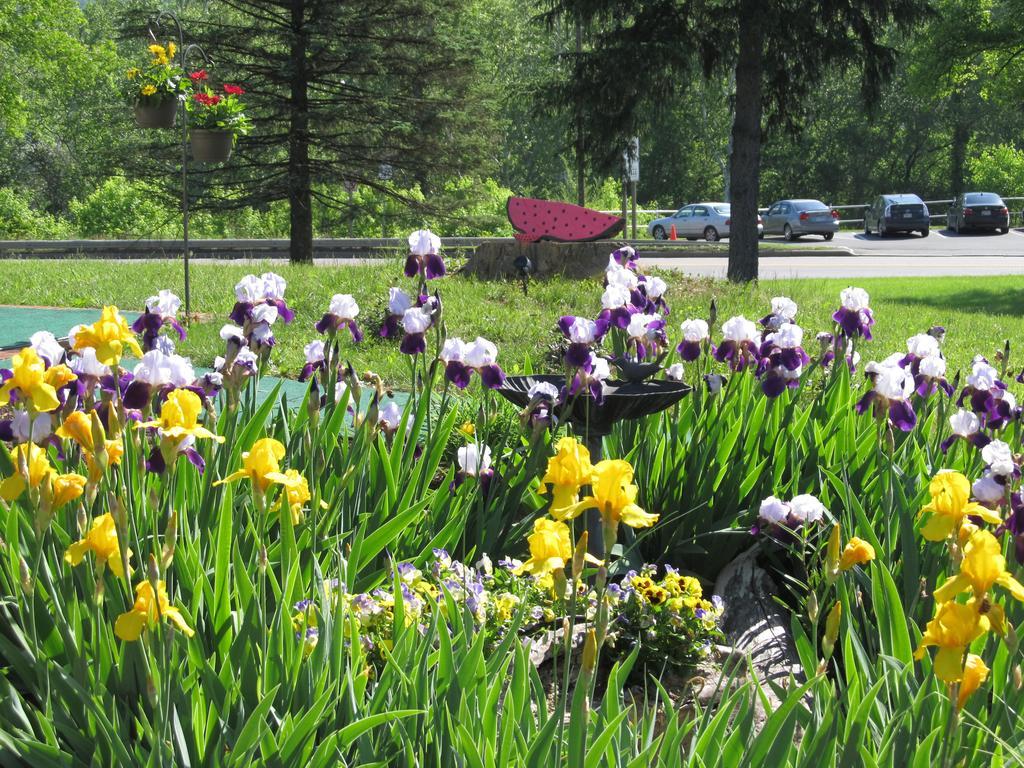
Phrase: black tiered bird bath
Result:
[622,400]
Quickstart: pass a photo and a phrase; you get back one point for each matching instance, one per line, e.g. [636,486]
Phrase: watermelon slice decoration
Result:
[536,220]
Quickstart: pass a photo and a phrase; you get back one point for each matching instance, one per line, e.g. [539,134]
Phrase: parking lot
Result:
[939,243]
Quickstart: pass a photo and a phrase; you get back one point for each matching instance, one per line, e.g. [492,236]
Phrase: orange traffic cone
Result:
[672,233]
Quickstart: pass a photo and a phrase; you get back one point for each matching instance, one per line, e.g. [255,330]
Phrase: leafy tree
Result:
[777,52]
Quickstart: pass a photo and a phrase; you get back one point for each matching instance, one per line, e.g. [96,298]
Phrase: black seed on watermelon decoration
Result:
[536,220]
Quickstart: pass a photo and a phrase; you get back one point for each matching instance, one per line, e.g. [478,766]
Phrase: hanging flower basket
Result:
[160,115]
[211,146]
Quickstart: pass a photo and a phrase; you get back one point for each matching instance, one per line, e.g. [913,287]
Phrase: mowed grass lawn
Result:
[979,313]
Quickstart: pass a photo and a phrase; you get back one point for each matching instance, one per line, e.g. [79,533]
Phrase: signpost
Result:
[631,162]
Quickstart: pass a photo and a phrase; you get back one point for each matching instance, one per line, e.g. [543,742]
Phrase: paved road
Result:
[941,253]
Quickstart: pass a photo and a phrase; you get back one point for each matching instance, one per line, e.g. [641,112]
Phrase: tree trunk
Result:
[745,164]
[300,199]
[961,137]
[581,179]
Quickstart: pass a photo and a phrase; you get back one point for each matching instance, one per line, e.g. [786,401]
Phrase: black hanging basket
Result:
[211,146]
[158,115]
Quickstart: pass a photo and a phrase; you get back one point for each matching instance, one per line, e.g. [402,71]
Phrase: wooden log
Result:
[497,260]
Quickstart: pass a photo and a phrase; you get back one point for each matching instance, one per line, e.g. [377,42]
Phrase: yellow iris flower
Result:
[953,629]
[568,469]
[149,608]
[950,504]
[32,469]
[34,382]
[856,552]
[296,491]
[613,495]
[550,547]
[179,418]
[109,337]
[982,568]
[975,673]
[86,429]
[101,540]
[260,464]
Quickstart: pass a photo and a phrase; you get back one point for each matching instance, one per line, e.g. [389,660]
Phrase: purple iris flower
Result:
[482,357]
[47,347]
[889,396]
[918,348]
[582,335]
[647,334]
[783,311]
[983,386]
[161,310]
[854,316]
[625,257]
[342,312]
[741,344]
[252,291]
[783,348]
[453,355]
[589,379]
[315,359]
[415,322]
[539,412]
[423,259]
[695,334]
[1015,524]
[398,302]
[157,373]
[653,289]
[930,376]
[157,464]
[474,461]
[965,426]
[617,306]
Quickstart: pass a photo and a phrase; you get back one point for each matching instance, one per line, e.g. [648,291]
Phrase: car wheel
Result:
[711,234]
[828,236]
[924,232]
[658,232]
[1003,230]
[787,233]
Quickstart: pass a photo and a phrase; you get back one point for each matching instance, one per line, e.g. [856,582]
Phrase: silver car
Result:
[793,218]
[708,220]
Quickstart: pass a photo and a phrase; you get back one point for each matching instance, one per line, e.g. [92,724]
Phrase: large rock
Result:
[497,259]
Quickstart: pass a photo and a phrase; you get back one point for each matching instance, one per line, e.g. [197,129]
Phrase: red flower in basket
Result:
[198,76]
[233,90]
[207,99]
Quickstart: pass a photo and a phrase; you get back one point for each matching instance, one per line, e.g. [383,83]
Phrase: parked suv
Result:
[978,210]
[793,218]
[887,214]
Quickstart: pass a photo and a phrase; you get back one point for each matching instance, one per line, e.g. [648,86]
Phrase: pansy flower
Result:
[965,426]
[342,312]
[889,396]
[398,302]
[854,316]
[161,310]
[424,258]
[741,344]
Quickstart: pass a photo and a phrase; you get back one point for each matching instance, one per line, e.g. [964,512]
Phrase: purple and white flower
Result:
[47,347]
[157,373]
[161,310]
[582,334]
[624,257]
[783,311]
[999,458]
[482,357]
[983,388]
[453,355]
[931,376]
[889,396]
[415,323]
[474,460]
[800,511]
[538,413]
[316,359]
[741,344]
[647,334]
[342,311]
[23,428]
[653,289]
[784,347]
[398,302]
[919,347]
[390,418]
[695,334]
[989,490]
[616,309]
[965,426]
[590,379]
[424,258]
[675,372]
[854,316]
[252,291]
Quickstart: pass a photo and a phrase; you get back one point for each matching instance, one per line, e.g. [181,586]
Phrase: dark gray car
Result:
[888,214]
[793,218]
[978,210]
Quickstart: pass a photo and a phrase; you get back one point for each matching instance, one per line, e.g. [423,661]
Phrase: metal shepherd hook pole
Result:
[156,22]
